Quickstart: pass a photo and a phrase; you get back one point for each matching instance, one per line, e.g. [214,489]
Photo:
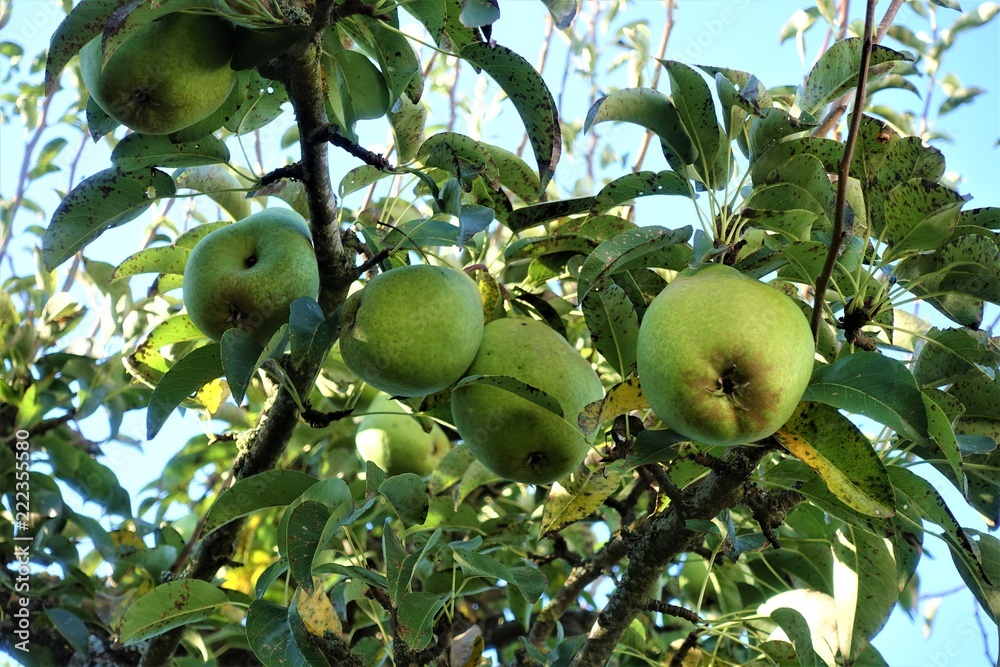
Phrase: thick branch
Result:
[837,237]
[578,579]
[261,446]
[668,535]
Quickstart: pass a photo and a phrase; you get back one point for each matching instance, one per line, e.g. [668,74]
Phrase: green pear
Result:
[412,330]
[512,436]
[723,358]
[248,273]
[172,73]
[397,442]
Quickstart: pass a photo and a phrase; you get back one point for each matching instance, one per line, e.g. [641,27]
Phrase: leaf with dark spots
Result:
[305,528]
[836,72]
[107,199]
[647,108]
[530,96]
[641,184]
[168,606]
[933,508]
[831,445]
[537,214]
[515,386]
[875,386]
[84,22]
[636,248]
[613,325]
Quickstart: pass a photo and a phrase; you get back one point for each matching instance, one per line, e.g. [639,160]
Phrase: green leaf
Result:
[933,508]
[82,24]
[261,104]
[562,12]
[986,592]
[407,120]
[696,111]
[864,587]
[397,574]
[577,497]
[442,18]
[73,630]
[258,45]
[273,488]
[188,375]
[415,618]
[476,475]
[479,13]
[837,450]
[946,355]
[538,246]
[161,259]
[270,636]
[943,435]
[450,469]
[241,357]
[305,528]
[920,215]
[514,386]
[873,385]
[836,72]
[140,151]
[107,199]
[177,329]
[515,174]
[169,606]
[645,246]
[640,184]
[399,64]
[647,108]
[536,214]
[408,496]
[827,151]
[462,156]
[613,325]
[310,332]
[531,98]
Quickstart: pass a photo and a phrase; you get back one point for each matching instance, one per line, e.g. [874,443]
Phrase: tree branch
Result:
[837,237]
[261,446]
[578,579]
[667,536]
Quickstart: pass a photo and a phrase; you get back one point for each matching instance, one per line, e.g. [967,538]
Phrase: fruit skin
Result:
[412,330]
[723,358]
[512,436]
[248,273]
[172,73]
[397,443]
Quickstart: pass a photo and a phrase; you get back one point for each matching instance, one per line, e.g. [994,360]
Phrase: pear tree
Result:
[345,333]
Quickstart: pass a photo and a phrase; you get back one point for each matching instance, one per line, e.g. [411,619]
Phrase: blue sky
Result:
[735,33]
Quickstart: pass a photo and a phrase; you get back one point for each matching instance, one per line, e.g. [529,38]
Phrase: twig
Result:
[331,134]
[291,171]
[578,579]
[843,174]
[672,610]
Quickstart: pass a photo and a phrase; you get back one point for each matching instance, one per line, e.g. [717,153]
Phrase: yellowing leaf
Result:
[578,496]
[213,394]
[316,611]
[620,399]
[831,445]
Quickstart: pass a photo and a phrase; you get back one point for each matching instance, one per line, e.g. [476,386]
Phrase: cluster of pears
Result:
[172,73]
[418,329]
